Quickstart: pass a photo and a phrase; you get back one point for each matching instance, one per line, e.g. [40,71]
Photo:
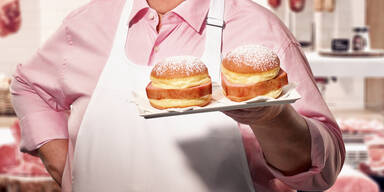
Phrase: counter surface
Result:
[346,66]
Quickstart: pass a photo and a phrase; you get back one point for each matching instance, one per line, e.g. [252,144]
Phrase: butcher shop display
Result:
[375,144]
[360,126]
[20,172]
[10,17]
[350,180]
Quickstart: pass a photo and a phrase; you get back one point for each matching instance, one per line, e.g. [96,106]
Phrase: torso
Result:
[101,17]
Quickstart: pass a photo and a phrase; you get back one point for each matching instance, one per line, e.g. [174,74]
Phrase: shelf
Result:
[345,66]
[7,121]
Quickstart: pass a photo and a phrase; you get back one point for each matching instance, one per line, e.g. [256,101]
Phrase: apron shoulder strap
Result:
[216,14]
[122,28]
[213,38]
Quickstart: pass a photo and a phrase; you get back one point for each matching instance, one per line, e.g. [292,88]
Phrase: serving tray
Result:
[219,103]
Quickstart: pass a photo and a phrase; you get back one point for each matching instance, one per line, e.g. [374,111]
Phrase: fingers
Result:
[255,115]
[238,112]
[249,116]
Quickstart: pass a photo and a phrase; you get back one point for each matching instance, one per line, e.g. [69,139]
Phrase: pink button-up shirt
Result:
[63,73]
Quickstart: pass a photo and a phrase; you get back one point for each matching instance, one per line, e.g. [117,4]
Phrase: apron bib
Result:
[119,151]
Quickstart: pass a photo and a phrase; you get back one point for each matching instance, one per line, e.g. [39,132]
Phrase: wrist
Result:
[285,141]
[272,117]
[287,125]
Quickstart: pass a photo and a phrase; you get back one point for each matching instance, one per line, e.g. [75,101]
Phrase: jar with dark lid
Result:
[360,39]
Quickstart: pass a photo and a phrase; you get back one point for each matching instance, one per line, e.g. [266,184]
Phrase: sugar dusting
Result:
[179,64]
[256,56]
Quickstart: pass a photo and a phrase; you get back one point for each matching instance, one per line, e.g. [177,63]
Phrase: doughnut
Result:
[252,70]
[179,82]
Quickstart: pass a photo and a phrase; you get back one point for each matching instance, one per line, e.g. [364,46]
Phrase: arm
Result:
[54,154]
[293,153]
[301,143]
[41,105]
[282,134]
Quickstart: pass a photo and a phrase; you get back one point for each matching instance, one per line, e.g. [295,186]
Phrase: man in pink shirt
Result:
[298,144]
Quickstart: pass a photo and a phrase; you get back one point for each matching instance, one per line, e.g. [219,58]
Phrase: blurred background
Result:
[342,39]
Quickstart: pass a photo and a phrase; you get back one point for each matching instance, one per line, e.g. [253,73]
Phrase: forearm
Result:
[54,154]
[285,141]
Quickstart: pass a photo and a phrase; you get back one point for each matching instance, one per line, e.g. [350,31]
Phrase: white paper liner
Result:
[219,102]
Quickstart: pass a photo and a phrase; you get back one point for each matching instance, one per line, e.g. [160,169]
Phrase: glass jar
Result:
[360,41]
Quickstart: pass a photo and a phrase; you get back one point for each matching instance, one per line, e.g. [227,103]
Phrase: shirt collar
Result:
[137,6]
[193,12]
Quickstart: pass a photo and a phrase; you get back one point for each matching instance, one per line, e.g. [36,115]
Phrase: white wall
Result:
[53,12]
[347,14]
[40,18]
[263,3]
[18,47]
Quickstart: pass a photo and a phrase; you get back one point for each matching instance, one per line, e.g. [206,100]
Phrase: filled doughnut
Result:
[250,71]
[178,82]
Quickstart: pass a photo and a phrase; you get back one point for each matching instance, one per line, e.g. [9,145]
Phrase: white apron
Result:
[119,151]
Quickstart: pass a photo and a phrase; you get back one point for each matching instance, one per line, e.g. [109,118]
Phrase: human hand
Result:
[254,116]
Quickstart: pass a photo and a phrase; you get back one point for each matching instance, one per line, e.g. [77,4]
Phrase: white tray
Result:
[219,103]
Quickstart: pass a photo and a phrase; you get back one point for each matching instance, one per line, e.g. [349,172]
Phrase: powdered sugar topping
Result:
[256,56]
[179,65]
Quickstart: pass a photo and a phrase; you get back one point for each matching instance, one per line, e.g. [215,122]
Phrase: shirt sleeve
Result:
[37,94]
[327,147]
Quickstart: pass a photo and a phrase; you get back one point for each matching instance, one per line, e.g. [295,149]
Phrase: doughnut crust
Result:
[178,82]
[179,67]
[251,59]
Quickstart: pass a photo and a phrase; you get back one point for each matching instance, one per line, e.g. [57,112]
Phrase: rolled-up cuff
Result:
[40,127]
[310,179]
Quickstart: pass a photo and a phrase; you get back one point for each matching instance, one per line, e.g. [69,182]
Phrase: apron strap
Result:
[122,29]
[213,38]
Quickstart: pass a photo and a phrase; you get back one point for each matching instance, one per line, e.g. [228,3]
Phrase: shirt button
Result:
[156,49]
[151,16]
